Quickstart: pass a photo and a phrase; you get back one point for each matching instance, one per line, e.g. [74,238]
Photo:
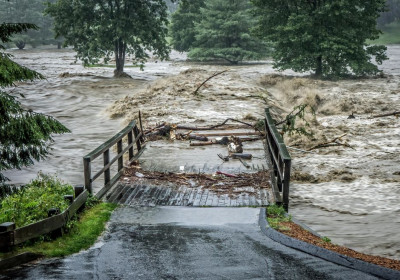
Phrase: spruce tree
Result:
[25,136]
[182,27]
[223,33]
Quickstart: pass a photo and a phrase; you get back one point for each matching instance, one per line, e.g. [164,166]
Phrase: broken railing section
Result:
[281,161]
[135,138]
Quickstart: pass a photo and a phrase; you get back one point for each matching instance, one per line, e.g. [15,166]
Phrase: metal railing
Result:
[135,138]
[281,161]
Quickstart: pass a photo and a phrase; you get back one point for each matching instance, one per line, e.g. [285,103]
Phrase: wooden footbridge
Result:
[187,189]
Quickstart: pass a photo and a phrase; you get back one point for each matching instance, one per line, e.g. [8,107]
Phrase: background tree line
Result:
[29,11]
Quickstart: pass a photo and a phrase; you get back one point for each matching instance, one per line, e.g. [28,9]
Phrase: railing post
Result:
[7,236]
[121,158]
[136,133]
[106,160]
[130,141]
[286,182]
[87,173]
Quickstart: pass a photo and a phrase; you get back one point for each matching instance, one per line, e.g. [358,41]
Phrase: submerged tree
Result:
[25,136]
[327,37]
[102,28]
[182,28]
[224,33]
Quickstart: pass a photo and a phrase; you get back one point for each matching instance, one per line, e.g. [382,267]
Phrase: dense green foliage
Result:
[102,28]
[182,24]
[224,33]
[32,202]
[327,37]
[25,136]
[14,11]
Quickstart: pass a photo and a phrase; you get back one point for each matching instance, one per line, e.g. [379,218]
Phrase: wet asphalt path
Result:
[186,243]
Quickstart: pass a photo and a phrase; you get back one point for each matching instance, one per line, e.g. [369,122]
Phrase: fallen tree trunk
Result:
[397,113]
[214,126]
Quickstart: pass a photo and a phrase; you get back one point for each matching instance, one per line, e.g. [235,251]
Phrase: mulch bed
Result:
[296,231]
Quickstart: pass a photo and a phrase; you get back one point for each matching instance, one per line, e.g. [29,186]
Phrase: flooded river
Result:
[362,213]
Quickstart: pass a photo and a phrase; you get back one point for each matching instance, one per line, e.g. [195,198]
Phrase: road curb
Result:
[325,254]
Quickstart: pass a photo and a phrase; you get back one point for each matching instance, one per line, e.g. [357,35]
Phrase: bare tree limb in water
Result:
[209,78]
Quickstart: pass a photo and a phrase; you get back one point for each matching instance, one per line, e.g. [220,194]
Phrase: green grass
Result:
[277,214]
[83,234]
[391,34]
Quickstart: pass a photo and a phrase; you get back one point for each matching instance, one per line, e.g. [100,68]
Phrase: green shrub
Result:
[32,202]
[276,215]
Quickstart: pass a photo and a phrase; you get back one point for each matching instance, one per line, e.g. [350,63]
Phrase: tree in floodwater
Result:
[25,136]
[183,21]
[102,28]
[14,11]
[327,37]
[224,33]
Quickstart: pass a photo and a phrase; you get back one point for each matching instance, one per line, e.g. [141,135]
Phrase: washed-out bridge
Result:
[190,186]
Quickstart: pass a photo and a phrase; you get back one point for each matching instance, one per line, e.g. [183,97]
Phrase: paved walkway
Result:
[186,243]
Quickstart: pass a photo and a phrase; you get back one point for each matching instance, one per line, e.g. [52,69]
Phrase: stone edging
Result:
[325,254]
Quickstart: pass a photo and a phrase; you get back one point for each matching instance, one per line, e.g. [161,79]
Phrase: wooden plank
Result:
[107,187]
[126,194]
[77,203]
[192,196]
[115,192]
[136,198]
[173,197]
[149,195]
[18,260]
[186,197]
[252,200]
[165,198]
[240,200]
[37,229]
[196,199]
[182,192]
[233,202]
[227,200]
[154,197]
[203,198]
[120,194]
[161,195]
[139,197]
[215,200]
[221,200]
[246,199]
[132,195]
[210,198]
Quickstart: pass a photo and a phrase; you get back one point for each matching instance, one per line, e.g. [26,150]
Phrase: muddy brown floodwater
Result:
[351,195]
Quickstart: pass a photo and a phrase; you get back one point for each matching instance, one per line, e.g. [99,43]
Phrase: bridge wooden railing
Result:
[281,161]
[135,138]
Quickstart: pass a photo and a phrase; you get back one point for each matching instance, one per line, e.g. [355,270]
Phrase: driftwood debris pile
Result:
[230,135]
[219,182]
